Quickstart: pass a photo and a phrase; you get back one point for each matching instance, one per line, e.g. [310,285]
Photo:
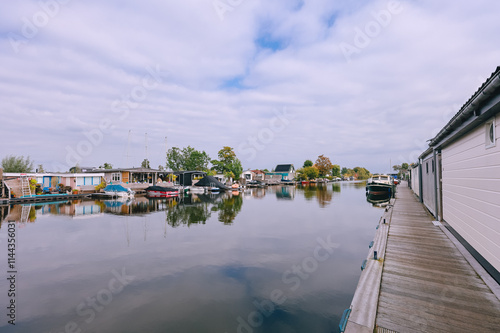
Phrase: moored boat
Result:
[380,185]
[118,191]
[161,192]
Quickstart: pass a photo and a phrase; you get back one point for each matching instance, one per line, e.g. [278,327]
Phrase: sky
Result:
[365,83]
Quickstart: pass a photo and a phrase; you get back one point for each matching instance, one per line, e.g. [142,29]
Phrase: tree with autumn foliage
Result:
[324,165]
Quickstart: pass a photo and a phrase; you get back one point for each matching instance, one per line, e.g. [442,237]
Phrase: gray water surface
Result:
[281,259]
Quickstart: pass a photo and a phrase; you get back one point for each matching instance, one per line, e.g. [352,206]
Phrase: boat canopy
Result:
[161,189]
[211,181]
[115,188]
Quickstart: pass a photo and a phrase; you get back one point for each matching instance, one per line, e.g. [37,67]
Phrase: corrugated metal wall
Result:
[429,183]
[471,191]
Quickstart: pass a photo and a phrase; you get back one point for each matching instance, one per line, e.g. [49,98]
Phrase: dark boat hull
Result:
[378,189]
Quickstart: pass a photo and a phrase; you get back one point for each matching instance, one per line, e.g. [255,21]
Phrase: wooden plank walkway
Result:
[427,285]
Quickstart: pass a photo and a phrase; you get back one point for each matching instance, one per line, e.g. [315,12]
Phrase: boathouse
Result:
[458,177]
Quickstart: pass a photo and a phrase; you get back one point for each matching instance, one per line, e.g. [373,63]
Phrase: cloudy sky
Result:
[365,83]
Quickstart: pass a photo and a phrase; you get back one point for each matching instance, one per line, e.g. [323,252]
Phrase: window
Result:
[427,167]
[490,134]
[433,166]
[116,177]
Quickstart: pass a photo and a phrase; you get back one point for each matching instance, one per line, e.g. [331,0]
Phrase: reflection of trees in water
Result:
[188,214]
[359,184]
[320,192]
[228,208]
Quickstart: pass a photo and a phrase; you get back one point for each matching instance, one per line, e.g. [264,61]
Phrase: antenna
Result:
[146,139]
[128,147]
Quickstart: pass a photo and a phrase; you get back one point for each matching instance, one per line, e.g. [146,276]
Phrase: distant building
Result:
[281,172]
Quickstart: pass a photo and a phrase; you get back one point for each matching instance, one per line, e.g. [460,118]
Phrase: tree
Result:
[308,163]
[145,164]
[175,159]
[362,173]
[228,162]
[307,173]
[404,166]
[396,167]
[20,164]
[161,167]
[187,159]
[106,166]
[344,171]
[40,168]
[324,165]
[194,159]
[336,170]
[75,169]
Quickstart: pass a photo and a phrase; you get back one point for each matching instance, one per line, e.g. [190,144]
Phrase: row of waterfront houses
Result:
[88,178]
[458,177]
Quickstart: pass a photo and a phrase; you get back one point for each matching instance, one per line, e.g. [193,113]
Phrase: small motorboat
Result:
[118,191]
[161,192]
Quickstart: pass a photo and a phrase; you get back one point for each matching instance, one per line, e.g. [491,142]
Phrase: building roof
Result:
[258,171]
[283,168]
[469,114]
[142,170]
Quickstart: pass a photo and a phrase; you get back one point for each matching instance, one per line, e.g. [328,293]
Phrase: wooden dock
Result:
[427,285]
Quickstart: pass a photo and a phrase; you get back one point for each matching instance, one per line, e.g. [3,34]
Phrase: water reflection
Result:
[323,193]
[186,210]
[378,200]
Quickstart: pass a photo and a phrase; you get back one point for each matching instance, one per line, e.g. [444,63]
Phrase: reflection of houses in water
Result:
[285,192]
[138,205]
[254,193]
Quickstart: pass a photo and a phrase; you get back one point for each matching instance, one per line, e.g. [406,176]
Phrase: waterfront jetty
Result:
[422,280]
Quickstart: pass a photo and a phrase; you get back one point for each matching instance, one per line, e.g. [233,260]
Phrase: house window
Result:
[116,177]
[490,134]
[427,167]
[433,166]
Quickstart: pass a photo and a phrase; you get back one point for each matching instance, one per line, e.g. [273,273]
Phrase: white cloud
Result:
[393,94]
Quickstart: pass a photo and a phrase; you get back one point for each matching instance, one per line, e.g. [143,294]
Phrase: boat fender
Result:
[343,320]
[363,265]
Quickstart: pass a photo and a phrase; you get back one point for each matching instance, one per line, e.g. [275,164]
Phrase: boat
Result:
[304,182]
[255,183]
[196,189]
[380,185]
[161,192]
[118,191]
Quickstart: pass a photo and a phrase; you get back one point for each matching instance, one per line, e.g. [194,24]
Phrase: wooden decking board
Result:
[432,273]
[434,291]
[411,260]
[437,277]
[436,322]
[427,285]
[424,249]
[441,312]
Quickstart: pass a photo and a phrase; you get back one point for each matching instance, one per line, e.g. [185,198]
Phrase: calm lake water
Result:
[281,259]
